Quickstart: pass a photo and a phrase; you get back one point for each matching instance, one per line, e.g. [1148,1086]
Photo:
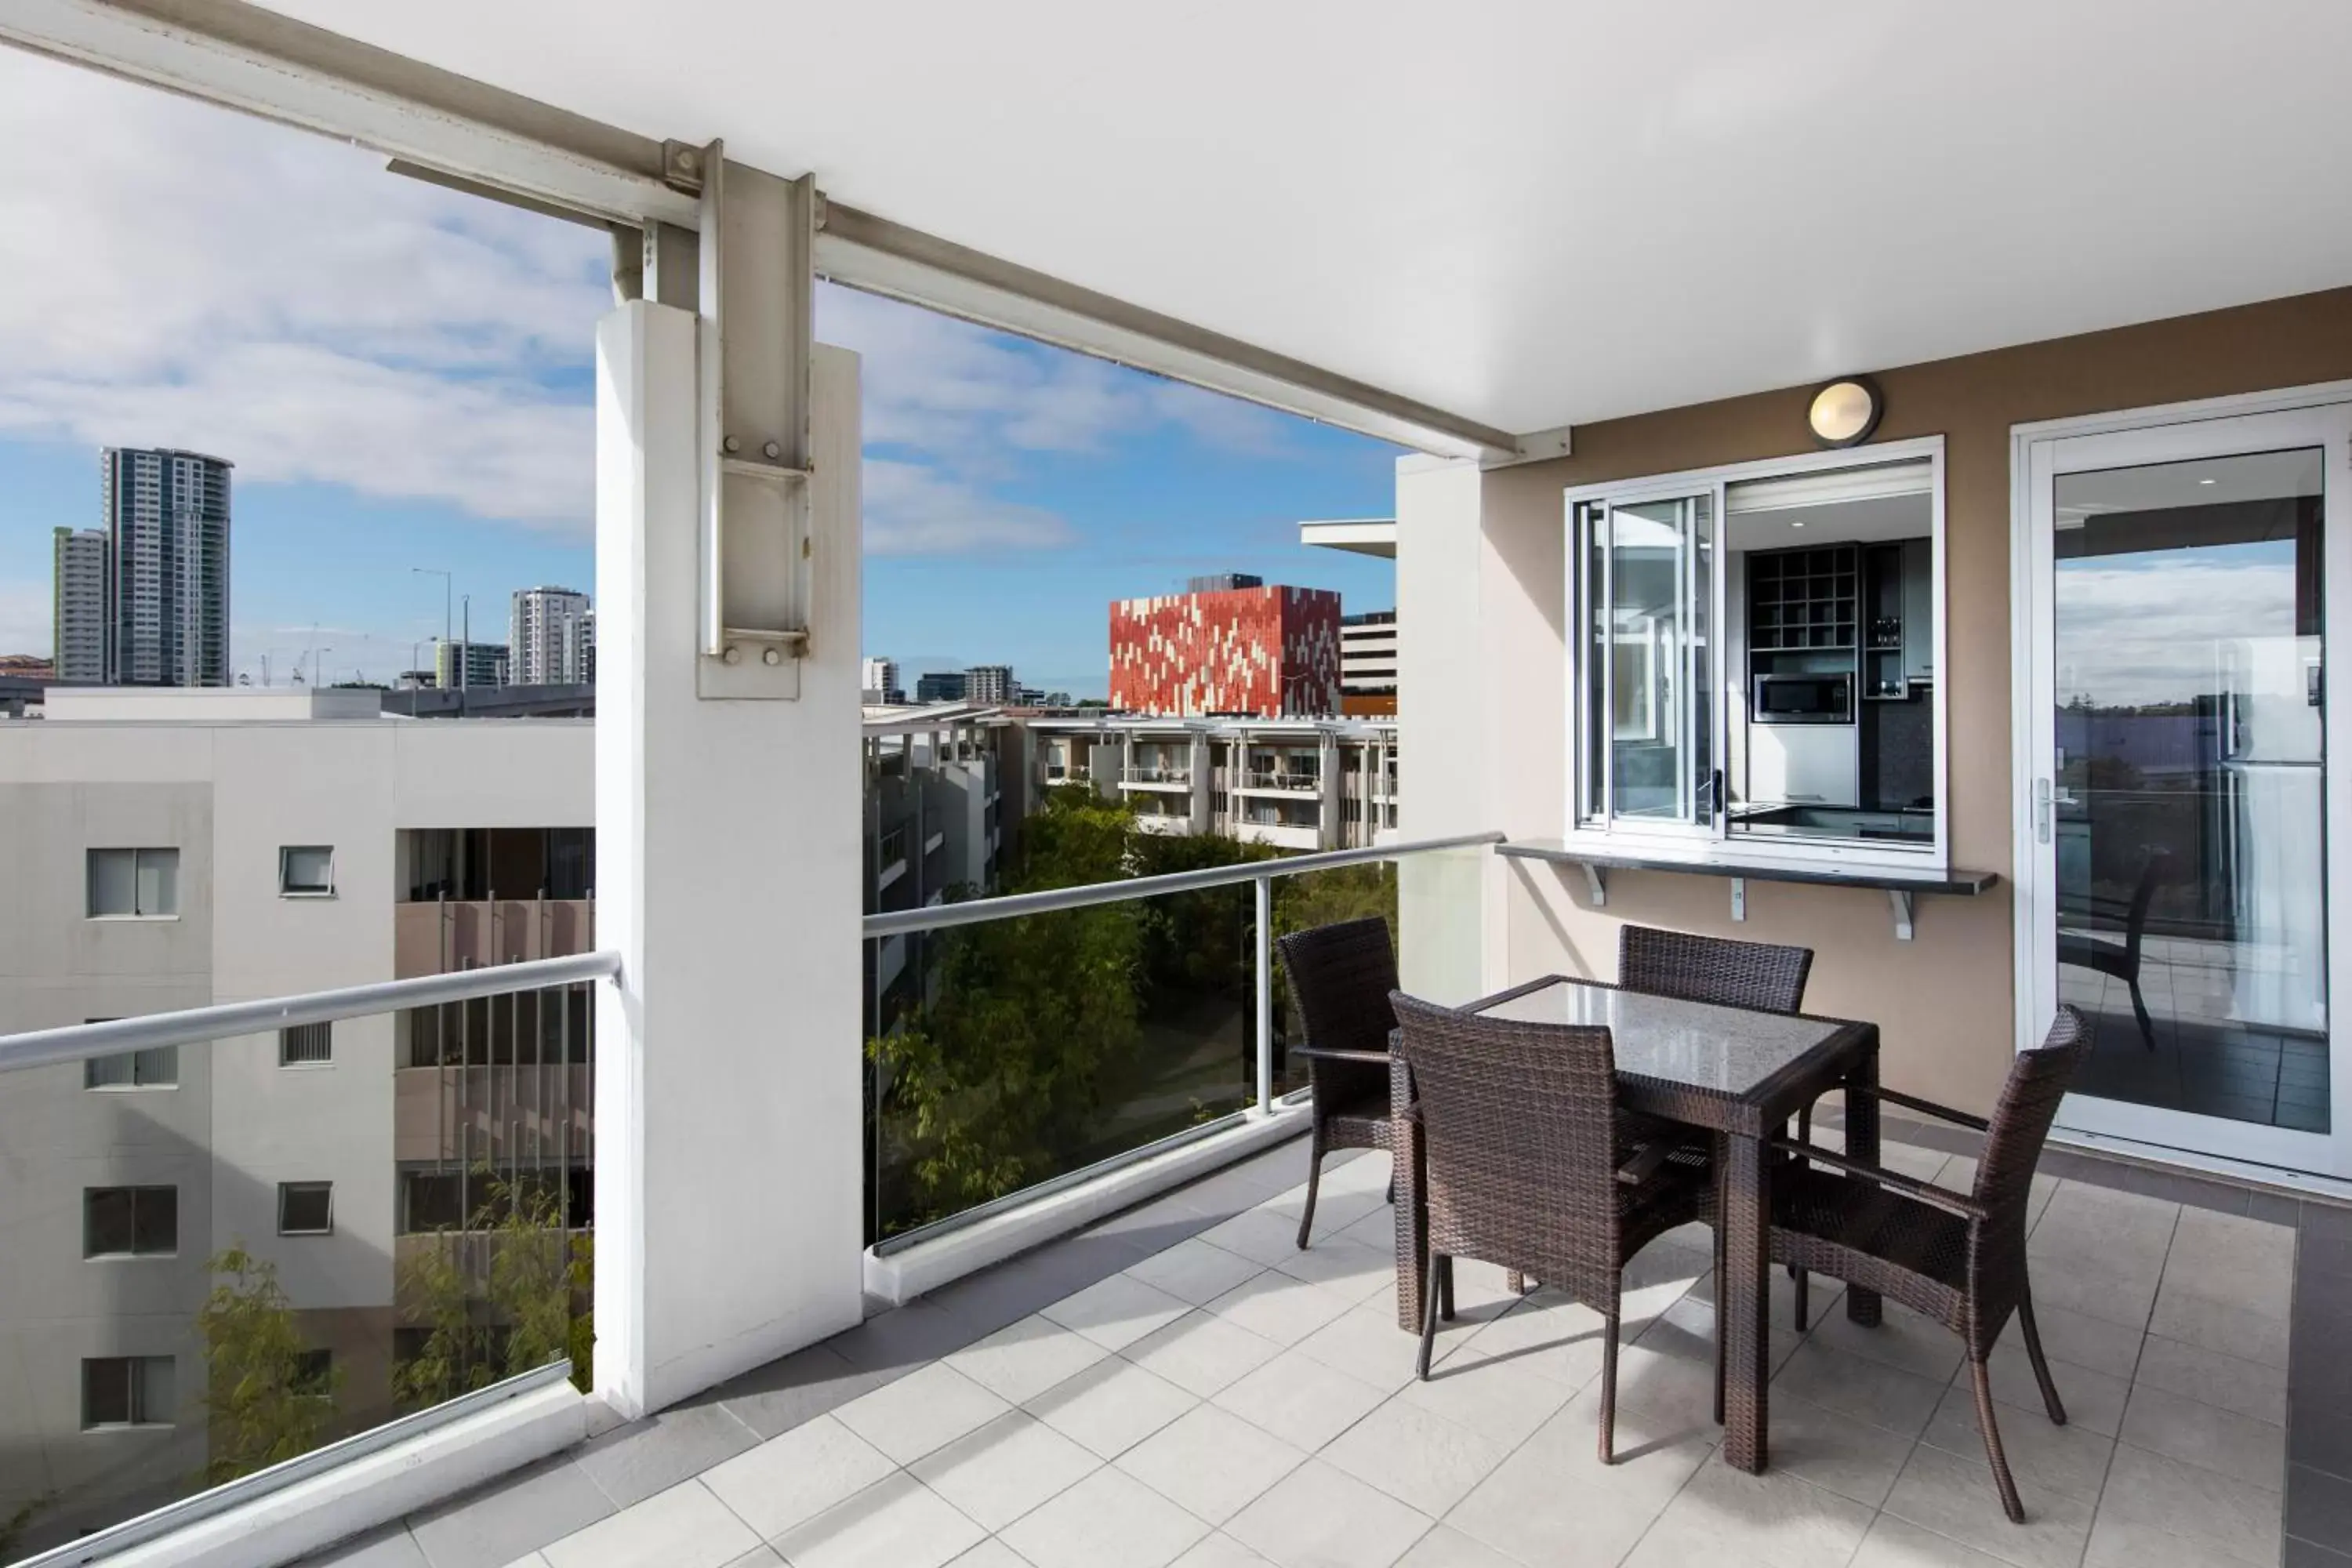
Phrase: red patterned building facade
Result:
[1271,652]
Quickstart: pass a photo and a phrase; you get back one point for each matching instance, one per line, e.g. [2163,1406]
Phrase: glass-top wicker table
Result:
[1738,1073]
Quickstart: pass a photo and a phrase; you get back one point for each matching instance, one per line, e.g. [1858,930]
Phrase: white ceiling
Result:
[1528,214]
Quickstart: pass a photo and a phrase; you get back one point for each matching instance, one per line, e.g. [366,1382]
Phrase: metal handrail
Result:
[973,911]
[200,1025]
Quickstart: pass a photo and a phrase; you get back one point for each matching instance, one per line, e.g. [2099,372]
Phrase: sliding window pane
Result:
[1661,561]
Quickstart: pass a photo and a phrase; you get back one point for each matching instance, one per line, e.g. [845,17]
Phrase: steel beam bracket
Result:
[1596,883]
[1900,898]
[756,251]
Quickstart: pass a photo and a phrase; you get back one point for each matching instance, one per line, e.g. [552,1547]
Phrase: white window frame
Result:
[90,880]
[135,1084]
[285,889]
[1714,845]
[286,1187]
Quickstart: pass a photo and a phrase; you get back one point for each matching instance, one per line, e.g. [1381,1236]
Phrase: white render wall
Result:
[228,792]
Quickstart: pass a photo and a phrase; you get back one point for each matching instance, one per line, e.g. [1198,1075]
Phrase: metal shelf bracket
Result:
[1901,900]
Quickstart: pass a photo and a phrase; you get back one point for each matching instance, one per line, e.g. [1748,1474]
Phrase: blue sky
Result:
[402,376]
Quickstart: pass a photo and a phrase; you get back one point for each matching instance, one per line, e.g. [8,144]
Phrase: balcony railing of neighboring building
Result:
[1157,775]
[442,935]
[159,1280]
[890,856]
[1291,779]
[1154,1002]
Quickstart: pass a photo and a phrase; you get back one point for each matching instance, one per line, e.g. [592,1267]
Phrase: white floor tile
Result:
[1897,1543]
[1365,1342]
[1899,1402]
[989,1553]
[2071,1460]
[684,1527]
[1532,1513]
[1418,1458]
[900,1524]
[1955,1498]
[1317,1517]
[1007,1468]
[2195,1434]
[1834,1452]
[2150,1497]
[2094,1401]
[1110,1520]
[1111,1406]
[1202,1352]
[1347,1268]
[1259,1234]
[1024,1360]
[1276,1307]
[1195,1271]
[1117,1311]
[1300,1400]
[929,1406]
[1503,1400]
[798,1476]
[1211,1463]
[1773,1518]
[2248,1387]
[1219,1549]
[1446,1547]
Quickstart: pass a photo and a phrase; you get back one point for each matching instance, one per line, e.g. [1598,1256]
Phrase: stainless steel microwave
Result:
[1805,698]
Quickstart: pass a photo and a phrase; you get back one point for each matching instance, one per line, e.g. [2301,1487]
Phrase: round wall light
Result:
[1845,412]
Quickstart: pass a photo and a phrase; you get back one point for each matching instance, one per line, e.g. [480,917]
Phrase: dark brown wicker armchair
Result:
[1960,1259]
[1523,1164]
[1713,969]
[1340,976]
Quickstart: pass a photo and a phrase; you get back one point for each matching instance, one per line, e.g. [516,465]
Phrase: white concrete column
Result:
[729,1105]
[1451,910]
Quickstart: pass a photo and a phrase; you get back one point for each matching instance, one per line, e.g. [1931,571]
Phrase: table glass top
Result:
[1727,1049]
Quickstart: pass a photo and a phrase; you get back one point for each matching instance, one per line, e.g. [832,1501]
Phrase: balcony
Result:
[447,935]
[1157,778]
[1279,781]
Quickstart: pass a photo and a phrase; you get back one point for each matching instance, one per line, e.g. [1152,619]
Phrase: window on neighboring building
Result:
[126,1391]
[431,1200]
[155,1068]
[306,1208]
[306,1046]
[305,870]
[126,884]
[314,1374]
[129,1222]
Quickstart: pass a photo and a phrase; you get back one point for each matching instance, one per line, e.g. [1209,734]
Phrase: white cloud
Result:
[911,510]
[190,277]
[2131,636]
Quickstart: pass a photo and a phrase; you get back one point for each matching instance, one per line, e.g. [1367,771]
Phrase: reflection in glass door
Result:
[2182,804]
[2190,825]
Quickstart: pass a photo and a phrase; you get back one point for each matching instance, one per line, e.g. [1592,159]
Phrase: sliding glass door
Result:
[2184,598]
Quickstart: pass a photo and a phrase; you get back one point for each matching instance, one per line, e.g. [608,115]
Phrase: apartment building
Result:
[943,786]
[879,678]
[551,637]
[175,850]
[1229,646]
[1297,784]
[1368,662]
[78,607]
[167,564]
[471,664]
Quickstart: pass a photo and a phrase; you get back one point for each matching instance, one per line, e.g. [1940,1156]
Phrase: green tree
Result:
[508,1294]
[261,1406]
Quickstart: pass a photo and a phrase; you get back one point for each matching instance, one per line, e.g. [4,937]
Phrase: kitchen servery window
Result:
[1752,667]
[131,884]
[126,1391]
[305,870]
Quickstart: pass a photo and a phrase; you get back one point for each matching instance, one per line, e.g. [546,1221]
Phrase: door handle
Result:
[2042,810]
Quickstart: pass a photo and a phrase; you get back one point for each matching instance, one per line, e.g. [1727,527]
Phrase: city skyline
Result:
[403,377]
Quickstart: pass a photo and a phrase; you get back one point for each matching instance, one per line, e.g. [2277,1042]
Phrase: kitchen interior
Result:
[1830,635]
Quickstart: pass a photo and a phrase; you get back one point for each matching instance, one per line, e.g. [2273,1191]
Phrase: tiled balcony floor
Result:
[1182,1387]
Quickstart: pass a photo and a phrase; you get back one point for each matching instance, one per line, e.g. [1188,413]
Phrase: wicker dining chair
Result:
[1340,976]
[1958,1258]
[1752,974]
[1523,1165]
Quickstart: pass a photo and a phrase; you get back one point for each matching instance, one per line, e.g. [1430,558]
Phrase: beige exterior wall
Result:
[1945,1000]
